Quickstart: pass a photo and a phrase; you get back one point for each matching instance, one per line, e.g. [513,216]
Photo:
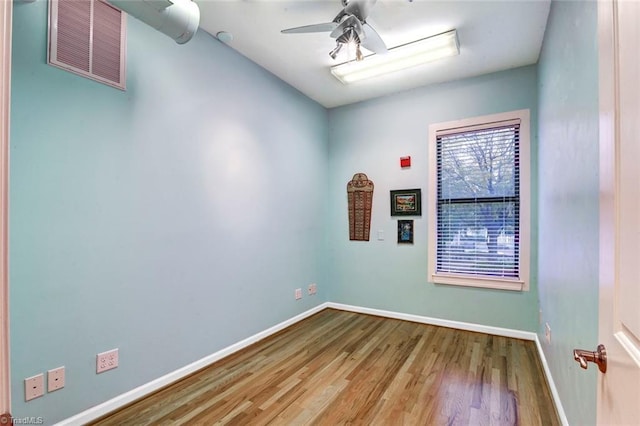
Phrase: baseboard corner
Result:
[552,386]
[460,325]
[126,398]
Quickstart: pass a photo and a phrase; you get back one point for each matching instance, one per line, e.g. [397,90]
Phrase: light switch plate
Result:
[547,333]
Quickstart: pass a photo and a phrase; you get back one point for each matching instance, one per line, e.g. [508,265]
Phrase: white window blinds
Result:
[478,200]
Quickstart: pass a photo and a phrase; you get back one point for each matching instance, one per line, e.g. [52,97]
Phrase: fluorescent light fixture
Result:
[398,58]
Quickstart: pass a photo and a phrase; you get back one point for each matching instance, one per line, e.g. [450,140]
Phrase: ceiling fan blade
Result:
[360,8]
[373,41]
[337,32]
[315,28]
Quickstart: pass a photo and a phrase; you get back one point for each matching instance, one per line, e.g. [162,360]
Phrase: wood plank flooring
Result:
[338,368]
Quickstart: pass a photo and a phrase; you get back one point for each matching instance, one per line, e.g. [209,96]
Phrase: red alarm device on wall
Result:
[405,161]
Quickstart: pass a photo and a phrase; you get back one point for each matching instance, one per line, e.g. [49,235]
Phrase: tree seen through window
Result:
[478,202]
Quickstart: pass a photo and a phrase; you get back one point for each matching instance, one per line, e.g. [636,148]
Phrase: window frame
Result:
[522,282]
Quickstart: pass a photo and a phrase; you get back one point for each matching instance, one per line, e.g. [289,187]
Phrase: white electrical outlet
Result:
[547,333]
[313,289]
[55,379]
[33,387]
[298,293]
[107,360]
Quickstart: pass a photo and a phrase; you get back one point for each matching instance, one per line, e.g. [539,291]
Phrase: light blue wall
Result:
[370,137]
[568,188]
[169,221]
[176,218]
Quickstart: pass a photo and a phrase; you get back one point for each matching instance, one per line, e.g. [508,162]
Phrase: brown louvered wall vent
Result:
[88,37]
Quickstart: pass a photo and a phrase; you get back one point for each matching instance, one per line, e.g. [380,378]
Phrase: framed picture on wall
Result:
[406,202]
[405,232]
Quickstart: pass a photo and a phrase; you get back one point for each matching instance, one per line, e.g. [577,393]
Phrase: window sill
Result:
[473,281]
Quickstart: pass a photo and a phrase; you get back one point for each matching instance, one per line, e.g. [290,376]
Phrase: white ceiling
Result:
[493,35]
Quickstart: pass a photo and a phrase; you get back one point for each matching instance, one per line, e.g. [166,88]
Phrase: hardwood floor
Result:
[345,368]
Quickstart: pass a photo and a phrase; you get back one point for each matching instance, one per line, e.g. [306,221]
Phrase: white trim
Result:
[617,191]
[5,103]
[459,126]
[551,383]
[144,390]
[148,388]
[483,282]
[608,193]
[627,342]
[496,331]
[522,284]
[467,326]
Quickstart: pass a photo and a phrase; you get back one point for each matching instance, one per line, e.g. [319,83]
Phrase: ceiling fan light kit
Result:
[398,58]
[348,27]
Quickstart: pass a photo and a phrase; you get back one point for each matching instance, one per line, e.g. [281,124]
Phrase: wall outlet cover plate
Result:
[33,387]
[55,379]
[107,361]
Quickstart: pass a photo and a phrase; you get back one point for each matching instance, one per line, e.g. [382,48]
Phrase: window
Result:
[87,37]
[479,214]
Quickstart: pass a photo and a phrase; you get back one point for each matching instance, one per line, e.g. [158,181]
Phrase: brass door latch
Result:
[598,357]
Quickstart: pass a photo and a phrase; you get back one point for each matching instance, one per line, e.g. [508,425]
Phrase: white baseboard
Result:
[552,385]
[496,331]
[148,388]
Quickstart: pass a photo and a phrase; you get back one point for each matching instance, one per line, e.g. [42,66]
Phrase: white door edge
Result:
[5,96]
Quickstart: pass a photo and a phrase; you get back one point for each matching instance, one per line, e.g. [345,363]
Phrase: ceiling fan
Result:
[349,27]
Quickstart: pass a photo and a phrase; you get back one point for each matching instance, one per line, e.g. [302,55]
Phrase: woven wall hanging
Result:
[360,196]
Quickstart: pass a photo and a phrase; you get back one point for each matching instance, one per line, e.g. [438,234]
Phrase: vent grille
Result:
[74,33]
[107,28]
[87,37]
